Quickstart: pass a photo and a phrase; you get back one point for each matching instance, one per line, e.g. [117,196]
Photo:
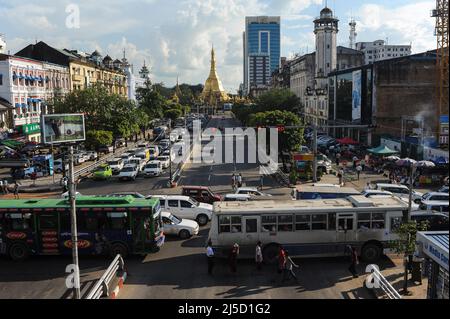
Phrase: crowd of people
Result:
[286,266]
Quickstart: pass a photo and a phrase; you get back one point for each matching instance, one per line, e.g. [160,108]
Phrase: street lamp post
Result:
[73,215]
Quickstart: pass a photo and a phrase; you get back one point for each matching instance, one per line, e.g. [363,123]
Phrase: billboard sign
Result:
[356,95]
[63,128]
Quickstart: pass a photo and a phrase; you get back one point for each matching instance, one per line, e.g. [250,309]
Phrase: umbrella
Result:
[393,158]
[425,164]
[382,150]
[405,162]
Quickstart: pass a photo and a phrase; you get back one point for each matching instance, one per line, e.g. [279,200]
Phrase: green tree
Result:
[173,114]
[94,139]
[288,140]
[152,101]
[406,243]
[278,99]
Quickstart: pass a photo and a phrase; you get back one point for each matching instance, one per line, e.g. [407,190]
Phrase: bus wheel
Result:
[18,252]
[270,254]
[371,253]
[202,220]
[118,249]
[184,234]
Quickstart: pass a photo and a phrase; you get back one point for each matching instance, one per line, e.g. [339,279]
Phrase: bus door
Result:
[48,233]
[142,232]
[251,224]
[346,228]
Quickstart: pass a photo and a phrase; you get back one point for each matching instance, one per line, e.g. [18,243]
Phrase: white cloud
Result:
[402,25]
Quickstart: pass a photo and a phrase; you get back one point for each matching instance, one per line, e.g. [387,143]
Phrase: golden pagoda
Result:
[213,92]
[176,95]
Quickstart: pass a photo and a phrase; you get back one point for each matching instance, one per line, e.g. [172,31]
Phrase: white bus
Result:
[307,228]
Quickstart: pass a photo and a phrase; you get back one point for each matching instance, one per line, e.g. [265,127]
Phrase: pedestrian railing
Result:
[381,283]
[102,287]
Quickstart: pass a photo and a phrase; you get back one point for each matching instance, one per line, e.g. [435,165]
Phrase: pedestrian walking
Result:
[233,258]
[338,159]
[5,187]
[16,190]
[258,256]
[210,256]
[354,261]
[355,161]
[358,170]
[239,180]
[233,181]
[281,259]
[363,164]
[289,268]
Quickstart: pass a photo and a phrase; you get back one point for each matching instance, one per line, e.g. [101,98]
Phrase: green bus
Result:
[105,226]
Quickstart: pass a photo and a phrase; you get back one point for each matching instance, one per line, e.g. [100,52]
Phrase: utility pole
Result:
[73,215]
[315,153]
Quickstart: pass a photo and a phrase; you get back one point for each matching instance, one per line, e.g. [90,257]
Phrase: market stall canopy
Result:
[382,150]
[347,141]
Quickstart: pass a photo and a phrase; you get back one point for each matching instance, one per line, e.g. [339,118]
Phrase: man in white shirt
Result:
[210,256]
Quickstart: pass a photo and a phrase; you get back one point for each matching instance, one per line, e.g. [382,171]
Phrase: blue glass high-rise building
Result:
[262,50]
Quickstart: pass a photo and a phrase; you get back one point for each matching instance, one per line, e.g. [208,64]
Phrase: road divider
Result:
[116,272]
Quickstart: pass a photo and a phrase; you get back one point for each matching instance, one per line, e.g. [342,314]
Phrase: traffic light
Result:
[281,129]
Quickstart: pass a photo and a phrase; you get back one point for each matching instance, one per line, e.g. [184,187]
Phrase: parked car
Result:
[251,191]
[129,172]
[102,172]
[58,166]
[373,192]
[186,207]
[433,196]
[165,161]
[170,153]
[398,190]
[175,226]
[237,198]
[79,159]
[201,194]
[324,164]
[105,149]
[435,206]
[125,194]
[443,189]
[153,168]
[436,221]
[140,163]
[116,165]
[91,155]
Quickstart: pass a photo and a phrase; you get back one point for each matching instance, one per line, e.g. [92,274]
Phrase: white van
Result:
[153,168]
[398,190]
[116,165]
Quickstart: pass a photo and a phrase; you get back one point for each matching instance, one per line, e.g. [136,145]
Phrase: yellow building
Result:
[85,73]
[213,93]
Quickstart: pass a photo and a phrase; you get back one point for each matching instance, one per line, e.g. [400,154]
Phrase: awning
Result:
[32,128]
[382,150]
[347,141]
[435,246]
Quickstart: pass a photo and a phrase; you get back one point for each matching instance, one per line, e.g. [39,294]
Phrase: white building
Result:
[29,85]
[379,50]
[2,45]
[134,82]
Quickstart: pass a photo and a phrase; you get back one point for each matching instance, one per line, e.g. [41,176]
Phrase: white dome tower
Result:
[326,29]
[2,44]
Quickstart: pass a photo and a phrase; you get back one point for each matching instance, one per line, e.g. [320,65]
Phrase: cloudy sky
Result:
[175,36]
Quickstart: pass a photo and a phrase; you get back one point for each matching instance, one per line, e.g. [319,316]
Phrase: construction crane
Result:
[442,34]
